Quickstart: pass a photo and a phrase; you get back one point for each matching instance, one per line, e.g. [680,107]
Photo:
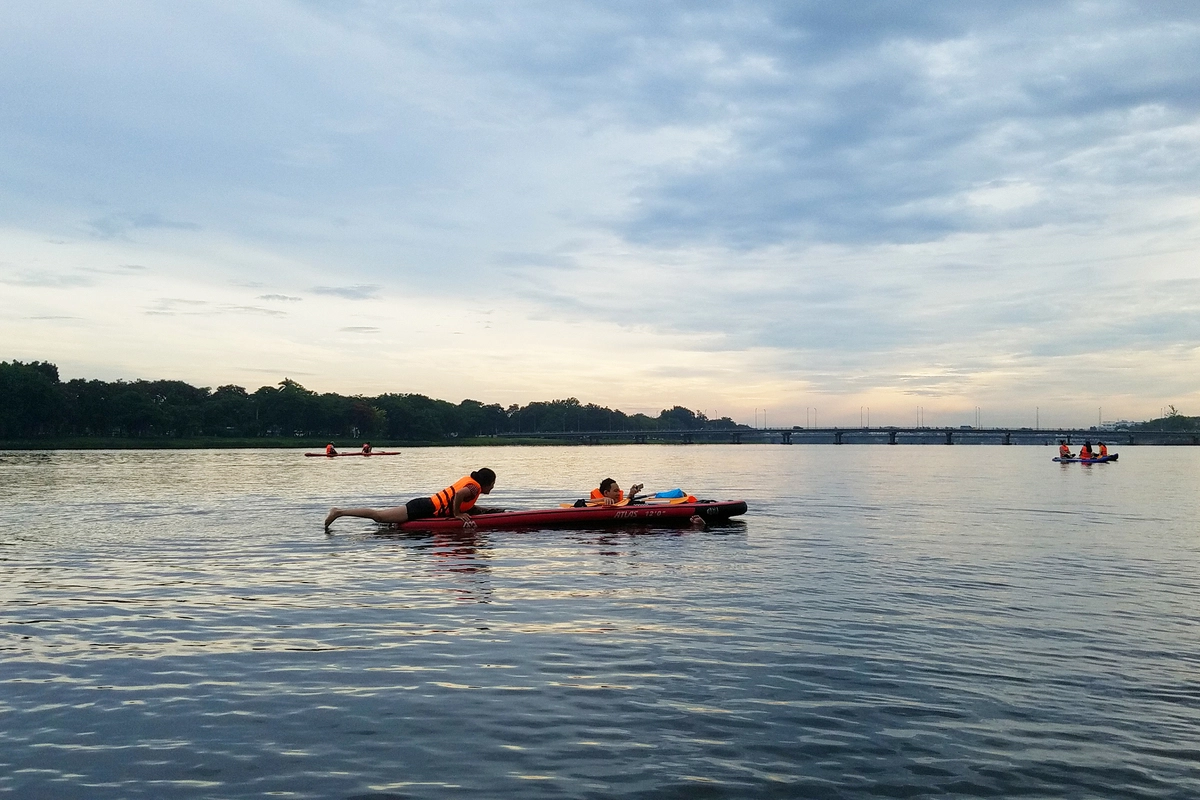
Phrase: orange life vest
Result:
[329,450]
[1085,452]
[1064,451]
[599,495]
[1103,450]
[443,501]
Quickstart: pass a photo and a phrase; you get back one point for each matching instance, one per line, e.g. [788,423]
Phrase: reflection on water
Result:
[885,621]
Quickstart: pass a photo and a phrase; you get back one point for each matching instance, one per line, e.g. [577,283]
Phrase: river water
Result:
[883,622]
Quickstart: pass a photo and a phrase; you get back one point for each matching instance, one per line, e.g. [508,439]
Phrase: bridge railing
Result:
[879,435]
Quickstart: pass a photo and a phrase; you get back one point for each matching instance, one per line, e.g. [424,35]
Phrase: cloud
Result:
[358,292]
[46,280]
[894,130]
[266,312]
[891,197]
[119,225]
[173,306]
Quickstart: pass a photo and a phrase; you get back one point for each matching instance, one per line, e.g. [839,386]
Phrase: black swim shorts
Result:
[420,508]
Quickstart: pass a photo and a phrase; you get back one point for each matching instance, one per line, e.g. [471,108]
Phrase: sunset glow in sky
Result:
[729,206]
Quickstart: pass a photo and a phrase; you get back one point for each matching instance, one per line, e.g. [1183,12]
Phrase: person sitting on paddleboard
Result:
[1063,450]
[453,501]
[610,493]
[1086,450]
[366,448]
[1103,449]
[330,450]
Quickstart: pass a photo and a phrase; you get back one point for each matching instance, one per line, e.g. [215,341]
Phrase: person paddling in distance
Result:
[366,448]
[609,493]
[1063,450]
[453,501]
[330,450]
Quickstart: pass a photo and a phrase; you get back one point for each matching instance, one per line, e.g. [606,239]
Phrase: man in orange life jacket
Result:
[330,450]
[453,501]
[1063,450]
[610,493]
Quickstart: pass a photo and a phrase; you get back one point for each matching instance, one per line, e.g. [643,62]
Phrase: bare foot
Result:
[334,513]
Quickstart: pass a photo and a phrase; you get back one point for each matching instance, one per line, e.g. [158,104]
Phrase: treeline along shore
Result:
[37,409]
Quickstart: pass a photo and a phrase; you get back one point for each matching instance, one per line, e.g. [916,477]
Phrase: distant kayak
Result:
[367,455]
[1103,460]
[667,515]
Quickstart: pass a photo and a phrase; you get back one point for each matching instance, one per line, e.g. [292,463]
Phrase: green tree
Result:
[680,418]
[31,399]
[229,411]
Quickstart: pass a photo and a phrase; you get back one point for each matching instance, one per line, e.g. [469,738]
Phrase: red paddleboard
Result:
[600,516]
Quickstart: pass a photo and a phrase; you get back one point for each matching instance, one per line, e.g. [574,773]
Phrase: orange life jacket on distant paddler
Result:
[443,501]
[1064,451]
[599,495]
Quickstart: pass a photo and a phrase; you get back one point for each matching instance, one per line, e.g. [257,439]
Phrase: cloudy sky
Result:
[915,207]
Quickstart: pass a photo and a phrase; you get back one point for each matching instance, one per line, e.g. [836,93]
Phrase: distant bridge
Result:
[880,435]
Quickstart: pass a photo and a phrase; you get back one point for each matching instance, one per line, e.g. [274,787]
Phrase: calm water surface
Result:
[884,622]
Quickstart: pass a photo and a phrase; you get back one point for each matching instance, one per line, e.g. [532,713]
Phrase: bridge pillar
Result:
[787,437]
[949,437]
[736,438]
[1008,437]
[891,437]
[837,437]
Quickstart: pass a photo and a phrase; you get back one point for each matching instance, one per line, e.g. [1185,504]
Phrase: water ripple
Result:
[885,622]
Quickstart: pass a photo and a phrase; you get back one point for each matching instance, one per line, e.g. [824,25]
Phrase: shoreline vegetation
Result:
[40,411]
[254,443]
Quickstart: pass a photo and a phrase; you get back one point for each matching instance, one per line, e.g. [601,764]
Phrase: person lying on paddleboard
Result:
[453,501]
[610,493]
